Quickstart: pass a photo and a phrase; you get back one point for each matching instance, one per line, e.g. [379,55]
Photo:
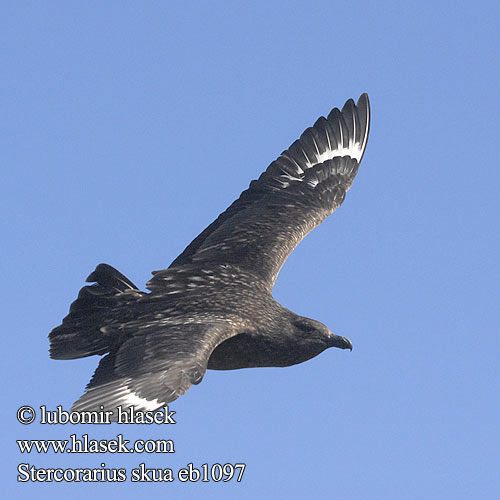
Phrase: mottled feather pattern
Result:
[153,366]
[343,133]
[213,307]
[261,237]
[84,332]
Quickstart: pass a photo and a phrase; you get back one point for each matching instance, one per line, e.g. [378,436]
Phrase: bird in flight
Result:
[213,307]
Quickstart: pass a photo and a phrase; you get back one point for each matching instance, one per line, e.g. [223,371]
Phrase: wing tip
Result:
[364,112]
[352,123]
[364,98]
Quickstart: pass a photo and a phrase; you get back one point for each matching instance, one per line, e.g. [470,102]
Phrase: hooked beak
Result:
[341,342]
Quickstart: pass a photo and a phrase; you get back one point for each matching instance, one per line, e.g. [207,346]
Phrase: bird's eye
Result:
[305,327]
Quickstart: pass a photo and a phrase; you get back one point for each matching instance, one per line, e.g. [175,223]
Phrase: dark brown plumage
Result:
[213,307]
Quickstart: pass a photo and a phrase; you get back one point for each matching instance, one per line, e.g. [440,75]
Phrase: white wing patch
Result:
[113,394]
[343,134]
[129,398]
[354,150]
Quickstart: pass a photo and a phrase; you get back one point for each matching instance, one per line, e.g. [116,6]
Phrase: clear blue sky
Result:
[128,126]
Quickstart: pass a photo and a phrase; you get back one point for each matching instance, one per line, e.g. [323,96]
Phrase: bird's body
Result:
[213,307]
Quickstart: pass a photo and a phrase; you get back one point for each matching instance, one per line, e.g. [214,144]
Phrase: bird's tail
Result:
[84,330]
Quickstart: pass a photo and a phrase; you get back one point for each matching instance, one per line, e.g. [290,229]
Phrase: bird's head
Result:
[318,335]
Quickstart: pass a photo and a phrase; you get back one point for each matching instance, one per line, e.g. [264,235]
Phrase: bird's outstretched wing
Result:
[297,191]
[156,365]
